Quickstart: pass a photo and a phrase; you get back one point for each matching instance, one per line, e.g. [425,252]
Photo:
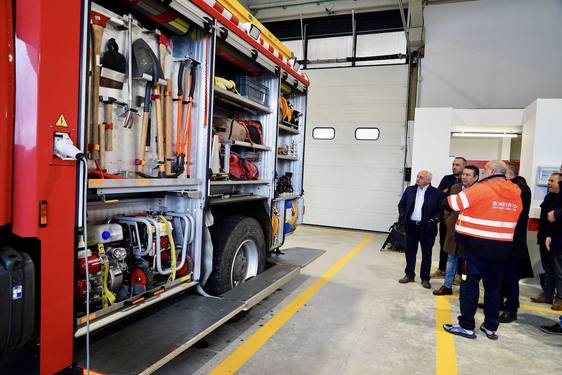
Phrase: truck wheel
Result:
[238,255]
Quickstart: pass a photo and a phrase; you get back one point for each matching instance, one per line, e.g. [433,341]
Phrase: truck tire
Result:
[238,253]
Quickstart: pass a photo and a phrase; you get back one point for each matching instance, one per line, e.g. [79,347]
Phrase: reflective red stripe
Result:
[219,8]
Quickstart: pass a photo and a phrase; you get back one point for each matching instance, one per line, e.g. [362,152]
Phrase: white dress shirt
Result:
[420,196]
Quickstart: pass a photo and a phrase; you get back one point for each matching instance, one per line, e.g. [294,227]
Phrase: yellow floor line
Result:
[445,355]
[245,351]
[547,310]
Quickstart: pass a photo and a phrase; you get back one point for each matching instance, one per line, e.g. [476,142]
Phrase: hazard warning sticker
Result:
[62,122]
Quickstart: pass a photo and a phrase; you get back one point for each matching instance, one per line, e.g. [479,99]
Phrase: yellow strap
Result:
[107,296]
[173,254]
[275,222]
[295,215]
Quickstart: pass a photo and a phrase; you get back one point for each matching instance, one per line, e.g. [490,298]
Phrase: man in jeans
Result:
[469,177]
[445,186]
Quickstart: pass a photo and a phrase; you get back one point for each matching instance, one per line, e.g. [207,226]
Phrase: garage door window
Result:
[324,133]
[367,134]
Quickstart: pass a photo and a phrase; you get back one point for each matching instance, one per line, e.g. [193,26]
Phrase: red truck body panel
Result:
[6,109]
[47,86]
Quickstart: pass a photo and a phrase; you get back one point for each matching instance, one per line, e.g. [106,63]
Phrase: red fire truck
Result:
[151,160]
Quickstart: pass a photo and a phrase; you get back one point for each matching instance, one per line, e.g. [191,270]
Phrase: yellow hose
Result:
[173,254]
[107,296]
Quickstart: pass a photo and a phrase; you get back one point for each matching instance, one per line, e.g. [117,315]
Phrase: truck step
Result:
[261,286]
[295,256]
[148,343]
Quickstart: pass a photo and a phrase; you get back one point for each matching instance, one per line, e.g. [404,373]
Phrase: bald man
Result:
[420,210]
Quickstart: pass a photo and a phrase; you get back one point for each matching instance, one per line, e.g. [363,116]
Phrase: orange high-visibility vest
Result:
[489,210]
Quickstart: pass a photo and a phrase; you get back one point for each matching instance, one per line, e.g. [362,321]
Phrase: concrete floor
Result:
[364,322]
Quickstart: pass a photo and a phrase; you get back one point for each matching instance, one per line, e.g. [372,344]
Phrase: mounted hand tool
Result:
[159,93]
[168,150]
[130,113]
[145,62]
[99,21]
[183,141]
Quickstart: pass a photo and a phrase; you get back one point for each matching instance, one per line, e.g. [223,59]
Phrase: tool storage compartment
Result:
[17,299]
[244,127]
[148,137]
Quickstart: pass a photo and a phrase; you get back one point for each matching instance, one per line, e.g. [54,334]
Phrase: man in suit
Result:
[548,280]
[420,210]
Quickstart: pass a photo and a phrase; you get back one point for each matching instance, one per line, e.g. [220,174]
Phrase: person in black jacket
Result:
[548,281]
[420,209]
[518,264]
[553,244]
[445,186]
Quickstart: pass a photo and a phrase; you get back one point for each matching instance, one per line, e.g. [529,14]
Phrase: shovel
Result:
[145,62]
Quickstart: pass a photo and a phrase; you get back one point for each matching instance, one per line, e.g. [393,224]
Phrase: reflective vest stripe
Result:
[453,202]
[464,200]
[484,233]
[490,223]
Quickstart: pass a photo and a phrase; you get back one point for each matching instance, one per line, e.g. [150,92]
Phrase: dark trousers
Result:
[490,271]
[557,262]
[414,237]
[549,283]
[443,256]
[510,284]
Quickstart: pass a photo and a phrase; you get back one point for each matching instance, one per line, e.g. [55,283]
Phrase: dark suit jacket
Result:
[520,248]
[431,209]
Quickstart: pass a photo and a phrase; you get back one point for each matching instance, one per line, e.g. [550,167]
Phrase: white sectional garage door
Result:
[352,183]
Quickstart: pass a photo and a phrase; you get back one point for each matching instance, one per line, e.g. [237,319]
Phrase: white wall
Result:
[542,129]
[433,147]
[491,53]
[477,148]
[431,142]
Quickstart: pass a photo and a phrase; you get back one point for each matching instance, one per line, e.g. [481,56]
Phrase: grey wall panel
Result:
[351,183]
[491,53]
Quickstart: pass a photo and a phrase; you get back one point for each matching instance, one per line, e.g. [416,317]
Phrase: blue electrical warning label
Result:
[17,292]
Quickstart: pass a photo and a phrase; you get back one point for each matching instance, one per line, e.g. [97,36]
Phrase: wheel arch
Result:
[257,210]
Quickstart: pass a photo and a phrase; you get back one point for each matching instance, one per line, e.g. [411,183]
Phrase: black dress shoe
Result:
[555,329]
[405,280]
[443,291]
[508,317]
[426,284]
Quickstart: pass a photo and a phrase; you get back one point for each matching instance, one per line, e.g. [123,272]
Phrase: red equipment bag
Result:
[242,169]
[254,131]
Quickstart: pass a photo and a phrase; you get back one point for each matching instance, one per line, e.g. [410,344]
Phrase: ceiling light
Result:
[485,135]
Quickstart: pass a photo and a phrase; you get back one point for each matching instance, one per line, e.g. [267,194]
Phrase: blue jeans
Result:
[452,262]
